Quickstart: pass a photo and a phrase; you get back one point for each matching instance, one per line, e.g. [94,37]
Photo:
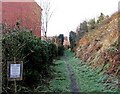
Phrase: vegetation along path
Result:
[72,75]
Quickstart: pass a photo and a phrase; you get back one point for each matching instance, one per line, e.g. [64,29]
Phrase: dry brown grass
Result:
[96,47]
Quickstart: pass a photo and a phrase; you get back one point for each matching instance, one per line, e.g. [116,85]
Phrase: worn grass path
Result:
[72,75]
[73,84]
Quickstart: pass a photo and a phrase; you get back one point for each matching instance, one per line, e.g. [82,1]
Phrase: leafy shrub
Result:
[53,51]
[37,56]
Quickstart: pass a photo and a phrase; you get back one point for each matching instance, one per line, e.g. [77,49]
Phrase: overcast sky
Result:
[69,13]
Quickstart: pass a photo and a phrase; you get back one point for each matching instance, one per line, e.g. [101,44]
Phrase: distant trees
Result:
[100,18]
[84,26]
[72,39]
[91,24]
[80,31]
[61,38]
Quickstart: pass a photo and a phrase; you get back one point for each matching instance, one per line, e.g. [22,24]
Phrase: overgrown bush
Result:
[60,50]
[37,56]
[53,51]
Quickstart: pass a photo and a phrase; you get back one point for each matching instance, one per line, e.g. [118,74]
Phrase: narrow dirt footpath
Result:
[64,76]
[71,76]
[73,84]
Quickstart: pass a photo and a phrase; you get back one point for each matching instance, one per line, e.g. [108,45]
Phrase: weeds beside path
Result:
[71,75]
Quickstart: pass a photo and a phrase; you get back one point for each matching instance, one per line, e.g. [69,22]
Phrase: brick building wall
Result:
[27,13]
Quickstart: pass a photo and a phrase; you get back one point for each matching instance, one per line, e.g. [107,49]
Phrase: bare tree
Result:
[46,15]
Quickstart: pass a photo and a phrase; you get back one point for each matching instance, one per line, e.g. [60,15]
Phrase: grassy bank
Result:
[87,79]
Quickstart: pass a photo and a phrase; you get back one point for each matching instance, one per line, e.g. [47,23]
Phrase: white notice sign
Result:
[14,70]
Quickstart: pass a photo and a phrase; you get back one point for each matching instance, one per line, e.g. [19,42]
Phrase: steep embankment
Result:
[100,47]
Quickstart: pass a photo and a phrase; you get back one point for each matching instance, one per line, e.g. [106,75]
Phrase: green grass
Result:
[88,80]
[60,83]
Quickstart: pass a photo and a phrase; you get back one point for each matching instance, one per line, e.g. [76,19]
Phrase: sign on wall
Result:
[15,70]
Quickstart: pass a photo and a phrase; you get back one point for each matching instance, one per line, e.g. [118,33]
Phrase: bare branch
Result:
[46,15]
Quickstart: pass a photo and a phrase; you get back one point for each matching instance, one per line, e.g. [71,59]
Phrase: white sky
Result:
[69,13]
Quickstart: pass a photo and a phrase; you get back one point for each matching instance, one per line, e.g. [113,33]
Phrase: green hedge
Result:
[60,50]
[36,54]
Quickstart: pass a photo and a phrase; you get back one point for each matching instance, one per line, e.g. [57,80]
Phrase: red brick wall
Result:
[28,13]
